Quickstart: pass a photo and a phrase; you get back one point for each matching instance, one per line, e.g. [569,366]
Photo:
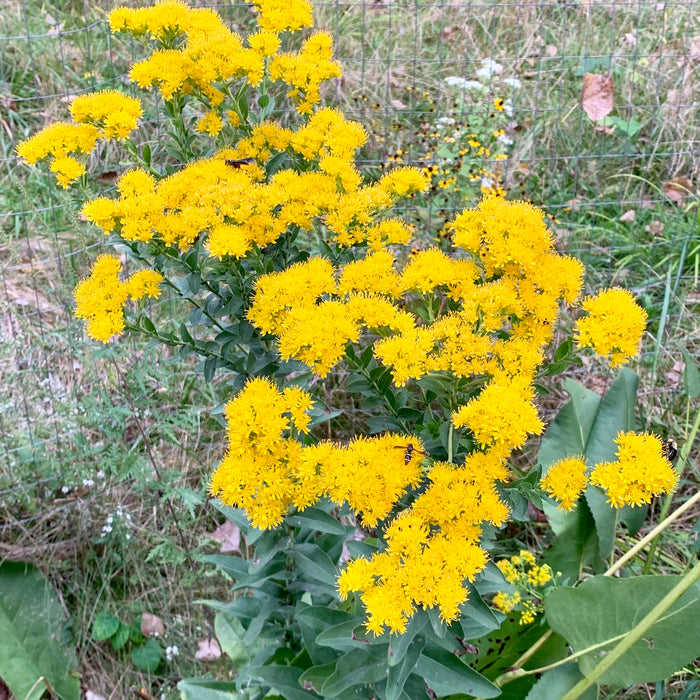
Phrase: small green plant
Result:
[145,653]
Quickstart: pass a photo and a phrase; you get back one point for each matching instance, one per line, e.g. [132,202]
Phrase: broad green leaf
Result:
[603,609]
[313,620]
[315,563]
[316,519]
[317,675]
[576,544]
[148,656]
[207,689]
[231,634]
[342,637]
[691,375]
[500,650]
[446,674]
[554,684]
[399,673]
[356,667]
[105,625]
[35,640]
[400,643]
[567,434]
[476,618]
[282,679]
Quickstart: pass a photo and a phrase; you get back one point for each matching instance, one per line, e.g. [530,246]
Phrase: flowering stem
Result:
[635,634]
[669,498]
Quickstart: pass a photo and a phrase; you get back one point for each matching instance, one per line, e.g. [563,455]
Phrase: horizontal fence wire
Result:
[425,79]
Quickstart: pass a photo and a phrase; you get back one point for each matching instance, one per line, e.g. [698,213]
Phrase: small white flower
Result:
[171,652]
[513,82]
[486,182]
[488,68]
[127,536]
[110,519]
[100,474]
[65,489]
[508,108]
[445,121]
[89,483]
[456,81]
[505,140]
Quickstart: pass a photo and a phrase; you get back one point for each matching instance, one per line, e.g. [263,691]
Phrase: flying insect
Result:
[239,162]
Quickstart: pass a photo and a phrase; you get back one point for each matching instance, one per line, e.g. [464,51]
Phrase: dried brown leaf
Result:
[597,96]
[229,535]
[677,189]
[152,626]
[655,228]
[629,215]
[551,50]
[208,650]
[397,104]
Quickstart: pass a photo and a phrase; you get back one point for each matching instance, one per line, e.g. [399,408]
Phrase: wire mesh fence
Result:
[484,95]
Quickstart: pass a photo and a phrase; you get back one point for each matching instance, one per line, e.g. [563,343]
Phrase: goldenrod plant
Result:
[366,571]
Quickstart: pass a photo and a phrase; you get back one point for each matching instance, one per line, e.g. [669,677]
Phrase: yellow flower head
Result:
[614,325]
[640,472]
[114,113]
[502,415]
[280,15]
[565,481]
[100,298]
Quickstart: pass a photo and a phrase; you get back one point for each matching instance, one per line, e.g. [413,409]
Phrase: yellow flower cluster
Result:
[98,115]
[307,70]
[528,579]
[197,52]
[614,325]
[432,547]
[100,298]
[116,115]
[267,471]
[58,141]
[565,481]
[640,472]
[236,210]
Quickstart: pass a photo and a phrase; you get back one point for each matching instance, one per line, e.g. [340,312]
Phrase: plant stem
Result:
[635,634]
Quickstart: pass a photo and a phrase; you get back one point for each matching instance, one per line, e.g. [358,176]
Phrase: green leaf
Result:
[207,689]
[554,684]
[232,639]
[105,625]
[316,519]
[313,620]
[121,637]
[603,609]
[399,672]
[691,375]
[476,618]
[356,667]
[35,640]
[148,656]
[210,368]
[446,674]
[400,643]
[283,679]
[315,563]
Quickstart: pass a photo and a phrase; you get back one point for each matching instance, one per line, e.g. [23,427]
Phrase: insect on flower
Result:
[239,162]
[669,449]
[408,451]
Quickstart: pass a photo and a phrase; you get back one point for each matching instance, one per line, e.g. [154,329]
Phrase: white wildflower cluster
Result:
[171,652]
[113,519]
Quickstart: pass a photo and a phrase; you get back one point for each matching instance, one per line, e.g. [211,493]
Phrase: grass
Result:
[80,438]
